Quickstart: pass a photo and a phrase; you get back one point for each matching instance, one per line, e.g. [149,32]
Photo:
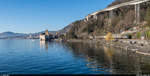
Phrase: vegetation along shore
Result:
[122,24]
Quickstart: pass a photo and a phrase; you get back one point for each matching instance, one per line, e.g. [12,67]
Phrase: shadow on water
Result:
[109,59]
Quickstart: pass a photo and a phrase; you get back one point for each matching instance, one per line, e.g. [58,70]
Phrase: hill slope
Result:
[124,19]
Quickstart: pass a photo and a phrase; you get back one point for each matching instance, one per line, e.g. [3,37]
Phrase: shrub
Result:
[90,28]
[147,34]
[138,35]
[109,37]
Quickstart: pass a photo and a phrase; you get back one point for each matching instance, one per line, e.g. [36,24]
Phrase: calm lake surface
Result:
[35,57]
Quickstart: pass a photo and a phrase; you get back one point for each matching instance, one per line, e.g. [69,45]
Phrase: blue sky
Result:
[25,16]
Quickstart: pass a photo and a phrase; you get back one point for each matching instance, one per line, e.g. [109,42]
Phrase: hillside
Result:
[123,20]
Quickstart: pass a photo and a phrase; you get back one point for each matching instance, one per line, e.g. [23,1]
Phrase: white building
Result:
[42,37]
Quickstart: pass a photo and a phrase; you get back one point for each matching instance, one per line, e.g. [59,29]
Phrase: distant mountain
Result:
[9,34]
[38,33]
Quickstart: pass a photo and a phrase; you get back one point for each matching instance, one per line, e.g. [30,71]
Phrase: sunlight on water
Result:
[40,57]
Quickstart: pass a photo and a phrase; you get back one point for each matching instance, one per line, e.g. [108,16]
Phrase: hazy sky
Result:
[26,16]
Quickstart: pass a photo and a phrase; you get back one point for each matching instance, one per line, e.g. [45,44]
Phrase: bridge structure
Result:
[136,3]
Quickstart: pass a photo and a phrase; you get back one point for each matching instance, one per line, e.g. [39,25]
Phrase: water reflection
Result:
[111,59]
[107,59]
[44,44]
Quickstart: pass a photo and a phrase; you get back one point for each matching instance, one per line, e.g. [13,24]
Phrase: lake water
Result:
[35,57]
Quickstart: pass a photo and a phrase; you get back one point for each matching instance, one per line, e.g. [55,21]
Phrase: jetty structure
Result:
[46,36]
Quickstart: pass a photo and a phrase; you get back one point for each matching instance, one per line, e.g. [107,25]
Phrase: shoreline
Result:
[134,45]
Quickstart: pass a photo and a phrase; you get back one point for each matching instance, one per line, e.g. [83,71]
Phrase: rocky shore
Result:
[137,46]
